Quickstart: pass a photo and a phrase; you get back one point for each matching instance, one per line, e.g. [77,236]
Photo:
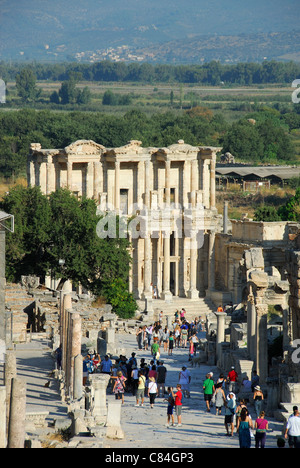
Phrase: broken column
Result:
[220,333]
[2,418]
[17,414]
[73,348]
[78,378]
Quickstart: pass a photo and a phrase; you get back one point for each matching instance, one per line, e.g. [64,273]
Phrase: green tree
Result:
[60,226]
[26,85]
[291,210]
[25,249]
[68,92]
[266,213]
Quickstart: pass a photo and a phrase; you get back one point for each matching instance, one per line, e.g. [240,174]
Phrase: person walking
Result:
[184,381]
[232,379]
[209,389]
[178,405]
[152,391]
[149,331]
[292,432]
[184,335]
[229,413]
[258,398]
[244,426]
[219,398]
[139,337]
[171,404]
[155,350]
[161,378]
[140,393]
[166,335]
[134,379]
[119,386]
[171,344]
[177,335]
[261,426]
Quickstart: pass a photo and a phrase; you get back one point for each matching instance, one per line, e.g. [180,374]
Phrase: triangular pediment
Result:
[84,147]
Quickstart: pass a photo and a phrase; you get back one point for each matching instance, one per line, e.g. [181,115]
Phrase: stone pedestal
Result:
[113,422]
[99,385]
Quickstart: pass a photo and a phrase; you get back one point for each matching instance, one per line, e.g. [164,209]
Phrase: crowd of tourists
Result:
[147,380]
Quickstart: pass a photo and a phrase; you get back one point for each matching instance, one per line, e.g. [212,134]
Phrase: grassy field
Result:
[233,102]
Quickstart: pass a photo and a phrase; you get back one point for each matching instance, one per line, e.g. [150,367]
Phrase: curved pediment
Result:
[84,147]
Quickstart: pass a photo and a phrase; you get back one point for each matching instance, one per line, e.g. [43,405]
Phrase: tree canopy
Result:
[60,226]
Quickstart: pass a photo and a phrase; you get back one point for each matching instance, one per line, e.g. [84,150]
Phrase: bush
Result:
[122,301]
[266,213]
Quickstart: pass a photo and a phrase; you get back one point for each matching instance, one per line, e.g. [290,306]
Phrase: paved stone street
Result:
[144,427]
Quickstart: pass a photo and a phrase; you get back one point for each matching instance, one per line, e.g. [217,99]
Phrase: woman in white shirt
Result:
[152,391]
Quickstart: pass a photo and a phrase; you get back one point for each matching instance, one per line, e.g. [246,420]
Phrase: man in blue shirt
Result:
[106,365]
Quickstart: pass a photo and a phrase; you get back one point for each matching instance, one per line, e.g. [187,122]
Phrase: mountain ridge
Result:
[60,29]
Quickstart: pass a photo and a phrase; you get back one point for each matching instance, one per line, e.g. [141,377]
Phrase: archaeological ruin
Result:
[181,246]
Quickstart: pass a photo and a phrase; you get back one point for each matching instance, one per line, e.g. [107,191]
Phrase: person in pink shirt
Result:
[261,426]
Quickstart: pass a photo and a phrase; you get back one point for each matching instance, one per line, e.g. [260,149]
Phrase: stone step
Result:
[193,307]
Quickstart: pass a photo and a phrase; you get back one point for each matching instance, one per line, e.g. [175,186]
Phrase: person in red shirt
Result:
[232,379]
[178,404]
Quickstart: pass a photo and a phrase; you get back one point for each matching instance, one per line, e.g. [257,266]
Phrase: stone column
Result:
[90,180]
[2,418]
[147,266]
[75,345]
[194,181]
[78,378]
[50,182]
[168,181]
[10,372]
[17,414]
[225,218]
[147,184]
[31,174]
[117,185]
[213,182]
[220,332]
[97,176]
[193,292]
[166,294]
[185,183]
[69,175]
[251,326]
[211,261]
[259,282]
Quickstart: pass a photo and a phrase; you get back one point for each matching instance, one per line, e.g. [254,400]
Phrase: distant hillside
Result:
[58,30]
[227,48]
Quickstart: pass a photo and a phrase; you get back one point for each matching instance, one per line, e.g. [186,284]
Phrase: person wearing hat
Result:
[258,397]
[230,409]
